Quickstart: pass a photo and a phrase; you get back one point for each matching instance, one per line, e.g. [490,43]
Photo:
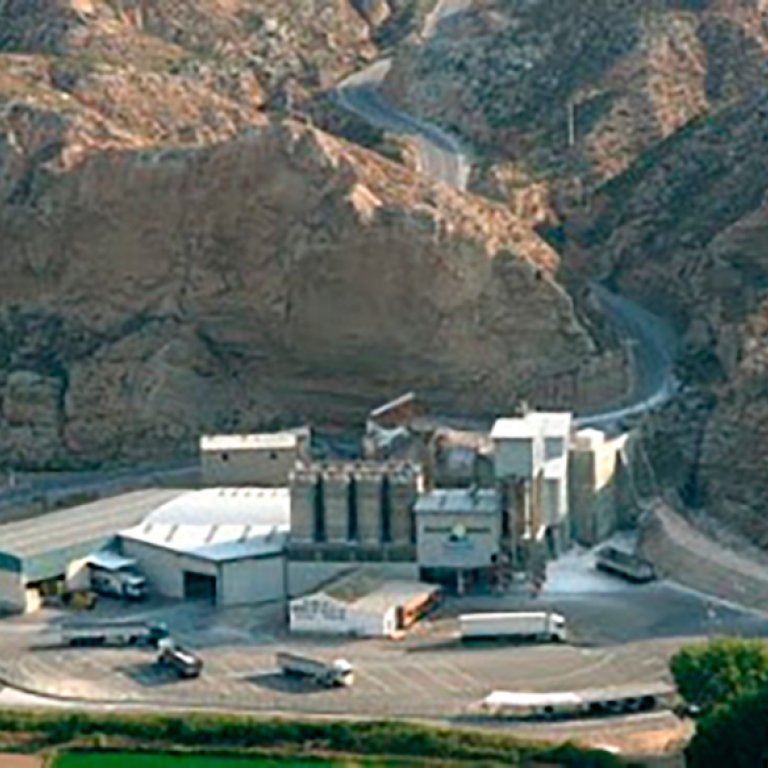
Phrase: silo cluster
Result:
[366,504]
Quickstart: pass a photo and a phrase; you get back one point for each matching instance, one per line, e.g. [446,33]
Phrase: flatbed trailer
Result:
[113,633]
[588,702]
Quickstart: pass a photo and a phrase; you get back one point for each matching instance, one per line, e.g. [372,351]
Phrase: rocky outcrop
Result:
[280,275]
[685,230]
[510,77]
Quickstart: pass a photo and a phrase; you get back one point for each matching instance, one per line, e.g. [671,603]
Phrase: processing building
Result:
[459,535]
[467,507]
[222,545]
[531,457]
[351,512]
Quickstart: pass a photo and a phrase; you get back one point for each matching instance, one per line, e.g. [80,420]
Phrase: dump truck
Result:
[628,566]
[181,660]
[116,633]
[534,625]
[326,673]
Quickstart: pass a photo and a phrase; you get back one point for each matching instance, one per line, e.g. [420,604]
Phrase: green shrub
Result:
[734,735]
[237,733]
[714,673]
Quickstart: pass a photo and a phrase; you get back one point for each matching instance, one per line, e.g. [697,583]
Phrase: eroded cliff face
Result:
[280,275]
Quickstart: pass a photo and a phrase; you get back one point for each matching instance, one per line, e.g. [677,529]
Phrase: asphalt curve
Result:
[650,340]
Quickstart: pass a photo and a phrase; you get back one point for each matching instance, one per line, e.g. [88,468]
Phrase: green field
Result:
[128,760]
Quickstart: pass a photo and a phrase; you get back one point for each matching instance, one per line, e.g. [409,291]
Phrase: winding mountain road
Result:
[650,340]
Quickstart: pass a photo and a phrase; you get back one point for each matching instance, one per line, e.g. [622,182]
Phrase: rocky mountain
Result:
[284,274]
[635,134]
[572,93]
[686,229]
[183,251]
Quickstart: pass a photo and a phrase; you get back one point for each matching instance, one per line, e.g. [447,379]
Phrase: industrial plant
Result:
[351,545]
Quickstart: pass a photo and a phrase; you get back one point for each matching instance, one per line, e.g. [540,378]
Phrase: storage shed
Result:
[263,459]
[41,552]
[222,545]
[364,604]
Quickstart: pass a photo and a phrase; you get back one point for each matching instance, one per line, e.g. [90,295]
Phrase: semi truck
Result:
[539,626]
[628,566]
[113,575]
[178,659]
[329,674]
[117,633]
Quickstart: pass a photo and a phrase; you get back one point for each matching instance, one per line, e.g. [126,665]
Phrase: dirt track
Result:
[19,761]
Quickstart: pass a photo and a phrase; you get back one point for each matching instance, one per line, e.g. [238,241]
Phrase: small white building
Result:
[224,545]
[264,459]
[361,604]
[533,450]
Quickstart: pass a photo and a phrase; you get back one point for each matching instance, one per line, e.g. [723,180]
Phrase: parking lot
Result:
[620,633]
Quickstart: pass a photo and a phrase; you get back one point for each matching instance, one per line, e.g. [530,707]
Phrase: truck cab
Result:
[182,661]
[557,628]
[343,673]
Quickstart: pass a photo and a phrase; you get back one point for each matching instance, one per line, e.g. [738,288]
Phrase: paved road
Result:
[651,341]
[29,490]
[440,155]
[652,346]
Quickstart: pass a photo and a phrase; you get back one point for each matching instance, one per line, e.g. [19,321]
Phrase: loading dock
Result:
[200,586]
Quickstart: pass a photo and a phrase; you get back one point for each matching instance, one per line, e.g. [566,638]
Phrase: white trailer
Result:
[112,633]
[545,626]
[327,673]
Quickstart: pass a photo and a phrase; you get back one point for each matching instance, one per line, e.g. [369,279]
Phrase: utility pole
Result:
[571,123]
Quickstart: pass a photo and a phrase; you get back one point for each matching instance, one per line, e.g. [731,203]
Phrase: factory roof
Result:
[226,506]
[398,402]
[110,560]
[483,501]
[533,424]
[394,468]
[370,589]
[264,441]
[514,429]
[219,523]
[589,438]
[554,424]
[89,522]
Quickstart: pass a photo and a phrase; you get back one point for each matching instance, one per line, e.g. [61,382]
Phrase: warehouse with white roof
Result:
[225,545]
